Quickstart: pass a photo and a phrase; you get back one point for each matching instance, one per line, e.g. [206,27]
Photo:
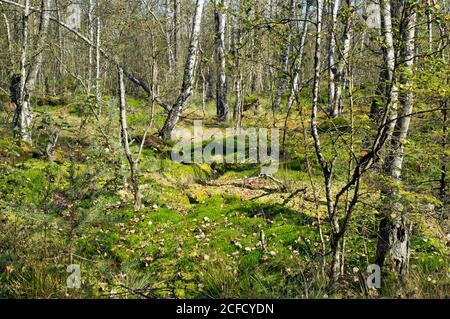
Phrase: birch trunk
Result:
[34,68]
[394,227]
[429,25]
[237,109]
[332,57]
[188,78]
[61,88]
[91,47]
[125,143]
[176,29]
[9,42]
[22,113]
[220,18]
[282,81]
[297,77]
[97,63]
[343,60]
[390,61]
[335,240]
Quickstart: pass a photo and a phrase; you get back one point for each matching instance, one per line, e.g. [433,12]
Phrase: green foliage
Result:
[199,234]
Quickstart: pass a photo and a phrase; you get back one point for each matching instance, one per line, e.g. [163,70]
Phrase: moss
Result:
[338,124]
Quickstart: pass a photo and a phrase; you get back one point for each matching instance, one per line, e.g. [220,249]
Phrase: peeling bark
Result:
[395,227]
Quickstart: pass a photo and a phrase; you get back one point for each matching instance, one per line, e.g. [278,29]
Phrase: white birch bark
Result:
[394,228]
[298,64]
[176,29]
[327,171]
[188,77]
[332,56]
[282,81]
[91,47]
[97,62]
[389,51]
[429,25]
[9,42]
[237,42]
[343,60]
[126,144]
[22,114]
[220,17]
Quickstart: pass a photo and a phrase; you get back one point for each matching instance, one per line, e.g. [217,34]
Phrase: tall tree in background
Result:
[344,54]
[176,29]
[286,51]
[334,9]
[297,77]
[90,10]
[236,54]
[220,18]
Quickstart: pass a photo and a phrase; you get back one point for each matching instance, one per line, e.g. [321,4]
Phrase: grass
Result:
[199,235]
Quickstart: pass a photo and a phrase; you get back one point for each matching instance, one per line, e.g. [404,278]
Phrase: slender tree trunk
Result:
[98,93]
[443,180]
[236,44]
[390,61]
[332,58]
[204,85]
[168,32]
[91,47]
[126,146]
[237,109]
[220,17]
[188,78]
[343,60]
[335,240]
[394,227]
[429,25]
[298,65]
[9,42]
[287,48]
[61,75]
[176,29]
[22,115]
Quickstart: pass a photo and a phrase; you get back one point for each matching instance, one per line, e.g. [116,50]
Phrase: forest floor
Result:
[214,231]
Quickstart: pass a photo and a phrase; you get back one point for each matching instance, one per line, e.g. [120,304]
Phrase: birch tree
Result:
[91,47]
[188,78]
[9,43]
[237,82]
[287,48]
[23,116]
[98,94]
[332,55]
[339,75]
[220,18]
[395,229]
[126,143]
[176,29]
[296,80]
[339,216]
